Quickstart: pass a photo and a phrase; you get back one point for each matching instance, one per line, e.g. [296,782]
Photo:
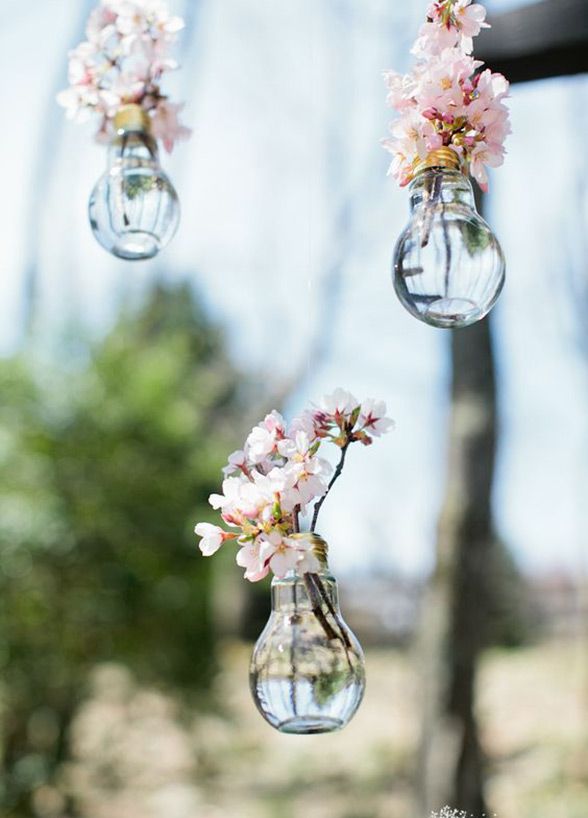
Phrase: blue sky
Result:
[288,227]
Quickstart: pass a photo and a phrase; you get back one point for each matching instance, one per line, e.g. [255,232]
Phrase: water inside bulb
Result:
[307,671]
[134,209]
[448,266]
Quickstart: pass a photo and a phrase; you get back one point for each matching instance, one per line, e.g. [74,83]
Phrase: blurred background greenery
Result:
[107,465]
[122,695]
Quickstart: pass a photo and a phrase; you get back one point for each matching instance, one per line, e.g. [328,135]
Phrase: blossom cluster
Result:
[273,480]
[445,101]
[126,53]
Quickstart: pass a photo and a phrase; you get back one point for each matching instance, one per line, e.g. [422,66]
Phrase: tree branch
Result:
[337,474]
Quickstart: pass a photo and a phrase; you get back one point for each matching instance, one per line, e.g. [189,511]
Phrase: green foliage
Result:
[476,238]
[327,685]
[138,184]
[104,472]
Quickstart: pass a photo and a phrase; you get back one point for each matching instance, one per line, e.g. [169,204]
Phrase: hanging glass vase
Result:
[448,265]
[134,209]
[307,671]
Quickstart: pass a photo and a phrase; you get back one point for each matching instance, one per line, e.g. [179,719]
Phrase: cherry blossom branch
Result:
[278,476]
[296,520]
[445,101]
[333,611]
[293,651]
[123,198]
[432,189]
[335,477]
[122,62]
[433,192]
[314,596]
[318,596]
[447,243]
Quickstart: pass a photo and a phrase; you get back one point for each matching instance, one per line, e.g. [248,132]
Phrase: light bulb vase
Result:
[307,672]
[448,267]
[133,209]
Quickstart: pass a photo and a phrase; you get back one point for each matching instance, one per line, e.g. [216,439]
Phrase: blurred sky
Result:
[288,227]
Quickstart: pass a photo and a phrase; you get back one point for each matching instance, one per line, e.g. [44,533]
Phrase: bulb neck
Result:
[441,185]
[295,593]
[133,148]
[439,158]
[132,118]
[133,144]
[315,544]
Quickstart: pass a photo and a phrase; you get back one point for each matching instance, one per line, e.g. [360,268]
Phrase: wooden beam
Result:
[546,39]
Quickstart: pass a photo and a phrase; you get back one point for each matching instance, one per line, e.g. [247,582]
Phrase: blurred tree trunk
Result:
[454,616]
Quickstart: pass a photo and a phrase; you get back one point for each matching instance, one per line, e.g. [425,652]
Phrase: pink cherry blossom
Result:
[433,39]
[441,86]
[372,418]
[249,557]
[212,538]
[263,439]
[277,475]
[444,101]
[231,491]
[260,444]
[451,23]
[307,561]
[279,554]
[401,89]
[308,564]
[481,156]
[274,423]
[470,19]
[305,422]
[277,490]
[237,462]
[297,447]
[310,483]
[241,500]
[122,61]
[339,402]
[166,125]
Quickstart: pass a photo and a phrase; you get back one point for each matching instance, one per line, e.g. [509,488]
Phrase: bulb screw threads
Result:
[439,158]
[319,547]
[132,117]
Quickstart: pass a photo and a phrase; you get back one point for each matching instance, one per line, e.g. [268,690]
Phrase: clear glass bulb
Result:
[134,209]
[307,671]
[448,265]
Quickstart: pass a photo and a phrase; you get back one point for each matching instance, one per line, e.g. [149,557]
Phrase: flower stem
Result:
[318,596]
[335,476]
[310,581]
[333,612]
[447,248]
[296,520]
[293,652]
[433,190]
[126,220]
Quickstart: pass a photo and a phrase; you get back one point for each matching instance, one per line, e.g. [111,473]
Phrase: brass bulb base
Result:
[132,117]
[319,547]
[439,158]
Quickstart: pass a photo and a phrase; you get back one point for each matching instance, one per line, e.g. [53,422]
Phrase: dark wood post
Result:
[547,39]
[454,619]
